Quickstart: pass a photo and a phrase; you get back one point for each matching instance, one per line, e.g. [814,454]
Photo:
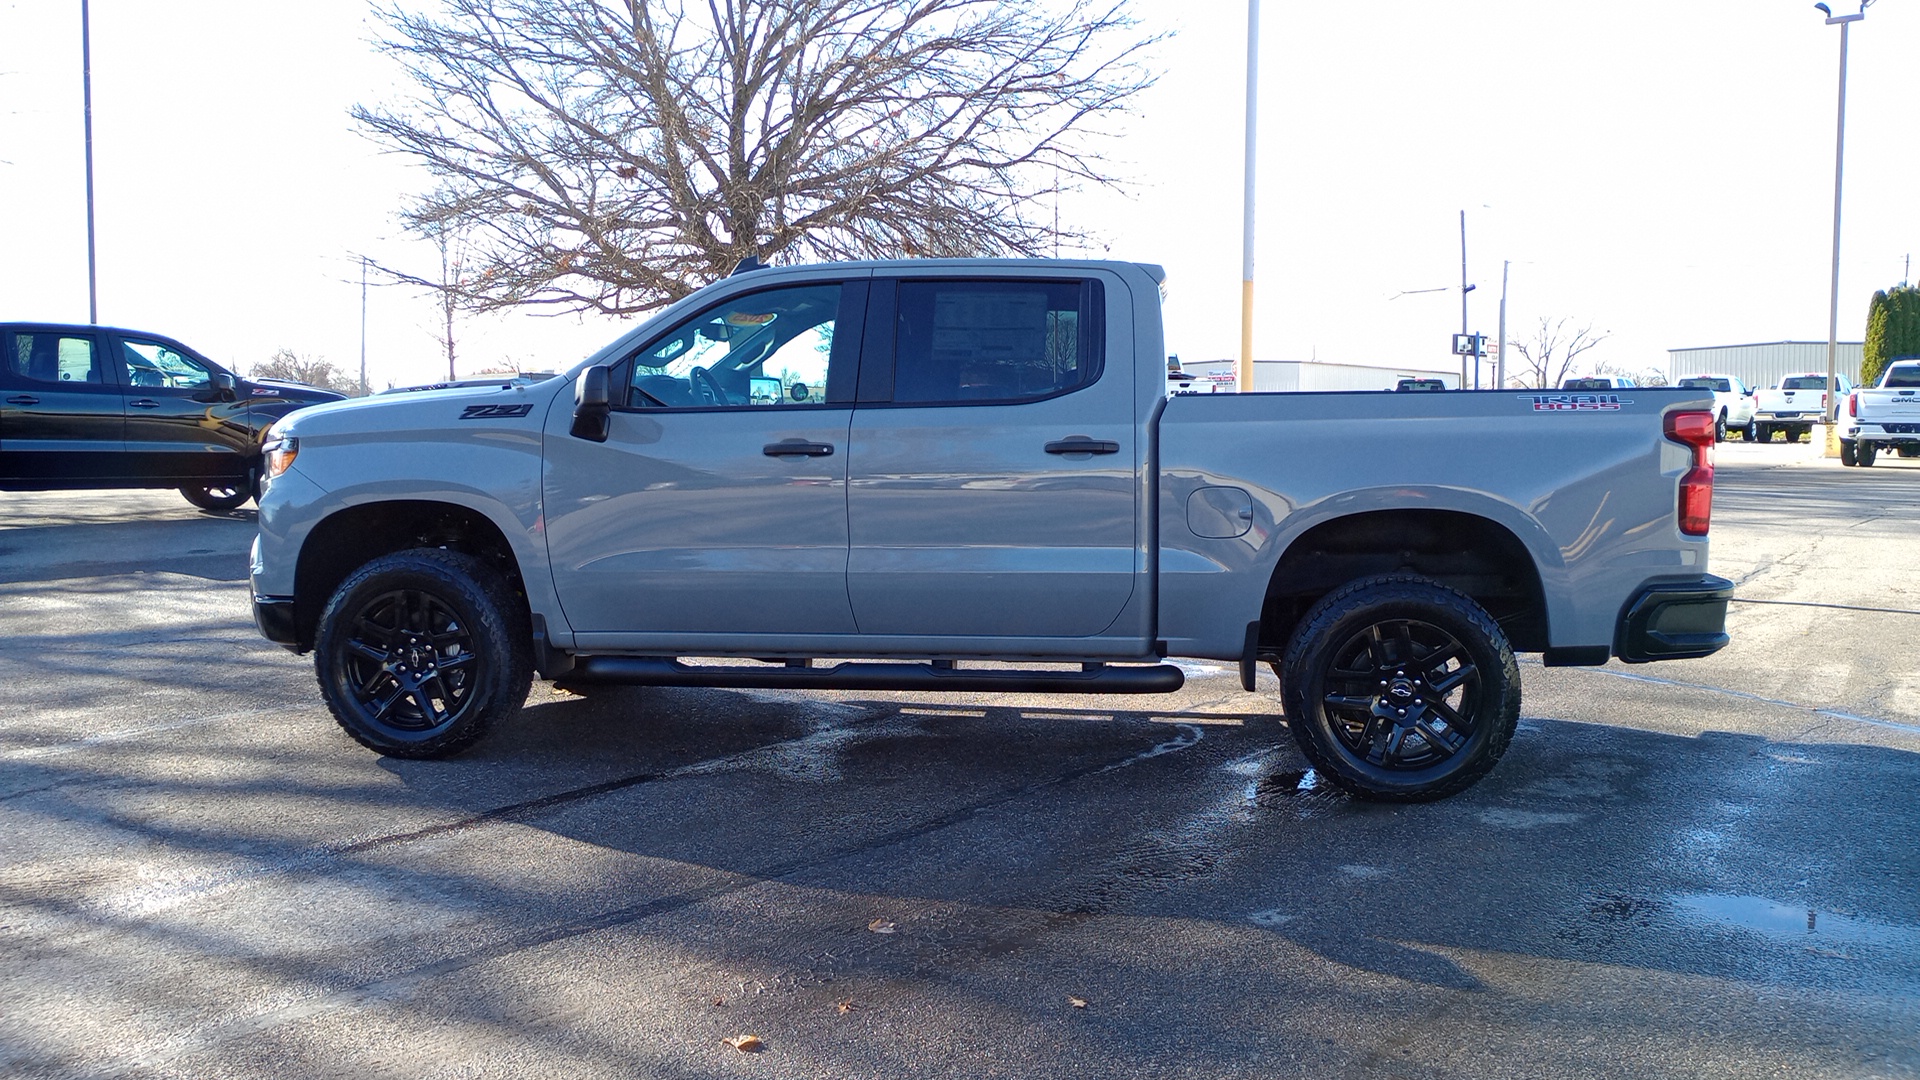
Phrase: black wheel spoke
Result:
[1345,701]
[1451,680]
[377,654]
[1446,712]
[1444,745]
[374,679]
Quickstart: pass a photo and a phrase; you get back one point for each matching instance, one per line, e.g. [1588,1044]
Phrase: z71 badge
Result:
[494,412]
[1576,402]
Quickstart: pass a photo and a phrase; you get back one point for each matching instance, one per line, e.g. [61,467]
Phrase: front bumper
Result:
[274,616]
[1674,620]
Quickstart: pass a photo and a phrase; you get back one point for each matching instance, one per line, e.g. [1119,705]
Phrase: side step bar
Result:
[667,671]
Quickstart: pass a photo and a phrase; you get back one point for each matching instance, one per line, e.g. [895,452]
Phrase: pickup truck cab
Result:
[966,476]
[1795,404]
[1885,416]
[1733,404]
[102,407]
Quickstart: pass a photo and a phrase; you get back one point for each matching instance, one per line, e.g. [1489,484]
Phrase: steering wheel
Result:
[704,383]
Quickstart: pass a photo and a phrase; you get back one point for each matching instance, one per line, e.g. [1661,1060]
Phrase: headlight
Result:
[280,452]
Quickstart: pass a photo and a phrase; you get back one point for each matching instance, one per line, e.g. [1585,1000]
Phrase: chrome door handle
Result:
[23,399]
[144,403]
[797,448]
[1080,444]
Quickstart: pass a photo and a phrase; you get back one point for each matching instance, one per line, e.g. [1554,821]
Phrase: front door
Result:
[179,427]
[718,503]
[61,414]
[994,484]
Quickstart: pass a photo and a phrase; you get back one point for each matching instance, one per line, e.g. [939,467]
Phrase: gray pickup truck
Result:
[969,476]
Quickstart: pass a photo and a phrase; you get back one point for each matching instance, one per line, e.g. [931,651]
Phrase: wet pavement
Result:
[1700,869]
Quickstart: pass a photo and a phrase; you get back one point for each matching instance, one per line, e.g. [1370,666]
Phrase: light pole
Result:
[1243,372]
[86,88]
[1845,22]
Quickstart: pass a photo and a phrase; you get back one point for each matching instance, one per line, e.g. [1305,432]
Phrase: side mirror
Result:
[223,384]
[592,404]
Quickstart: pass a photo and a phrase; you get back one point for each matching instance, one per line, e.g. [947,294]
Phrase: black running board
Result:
[667,671]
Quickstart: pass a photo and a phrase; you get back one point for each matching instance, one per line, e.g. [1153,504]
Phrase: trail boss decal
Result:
[1576,402]
[495,412]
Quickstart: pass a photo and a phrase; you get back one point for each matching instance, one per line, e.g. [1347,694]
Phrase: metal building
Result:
[1764,364]
[1296,375]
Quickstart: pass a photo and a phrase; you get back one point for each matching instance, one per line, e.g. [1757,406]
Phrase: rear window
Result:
[1012,340]
[1587,384]
[1803,382]
[1722,385]
[1904,376]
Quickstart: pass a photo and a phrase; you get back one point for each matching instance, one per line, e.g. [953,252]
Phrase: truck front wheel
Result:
[1400,690]
[419,653]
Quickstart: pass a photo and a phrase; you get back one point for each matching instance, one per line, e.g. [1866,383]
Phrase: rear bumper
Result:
[1674,620]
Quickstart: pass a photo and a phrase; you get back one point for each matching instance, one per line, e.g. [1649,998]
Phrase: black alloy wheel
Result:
[421,651]
[1400,690]
[217,497]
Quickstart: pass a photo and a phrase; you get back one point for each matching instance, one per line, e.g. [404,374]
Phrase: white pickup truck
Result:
[1733,403]
[1795,404]
[1883,416]
[969,476]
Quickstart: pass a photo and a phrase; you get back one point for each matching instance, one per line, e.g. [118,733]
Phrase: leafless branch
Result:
[615,155]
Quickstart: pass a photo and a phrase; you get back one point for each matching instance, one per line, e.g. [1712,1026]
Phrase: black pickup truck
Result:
[100,407]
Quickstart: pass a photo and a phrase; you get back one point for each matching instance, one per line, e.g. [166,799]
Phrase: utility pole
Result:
[1243,372]
[1500,357]
[86,91]
[1845,22]
[363,326]
[1464,290]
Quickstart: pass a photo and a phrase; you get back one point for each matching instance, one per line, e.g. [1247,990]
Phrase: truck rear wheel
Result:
[1400,690]
[1764,431]
[1847,453]
[419,654]
[1866,452]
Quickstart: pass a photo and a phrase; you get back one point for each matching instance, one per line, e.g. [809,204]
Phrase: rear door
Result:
[61,414]
[994,472]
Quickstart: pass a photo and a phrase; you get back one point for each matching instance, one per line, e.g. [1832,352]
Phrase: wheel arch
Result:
[1469,552]
[355,535]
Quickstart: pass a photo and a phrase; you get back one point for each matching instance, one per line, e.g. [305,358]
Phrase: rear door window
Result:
[55,359]
[968,342]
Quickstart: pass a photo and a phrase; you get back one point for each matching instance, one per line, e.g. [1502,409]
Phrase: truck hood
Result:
[462,410]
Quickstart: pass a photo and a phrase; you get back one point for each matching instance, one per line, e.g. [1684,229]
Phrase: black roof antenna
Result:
[747,266]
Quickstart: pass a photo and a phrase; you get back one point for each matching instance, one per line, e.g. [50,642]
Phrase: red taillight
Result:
[1853,404]
[1695,429]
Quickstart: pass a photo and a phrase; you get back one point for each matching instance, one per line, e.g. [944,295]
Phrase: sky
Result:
[1662,172]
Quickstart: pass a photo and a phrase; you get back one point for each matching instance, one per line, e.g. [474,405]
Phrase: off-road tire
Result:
[1349,660]
[421,652]
[218,498]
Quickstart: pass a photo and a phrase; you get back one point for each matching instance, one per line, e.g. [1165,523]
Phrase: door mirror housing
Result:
[592,404]
[220,387]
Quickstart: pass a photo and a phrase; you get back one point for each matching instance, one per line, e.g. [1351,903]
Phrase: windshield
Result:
[1803,382]
[1703,383]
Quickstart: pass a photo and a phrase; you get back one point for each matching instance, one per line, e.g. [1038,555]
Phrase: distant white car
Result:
[1797,403]
[1733,403]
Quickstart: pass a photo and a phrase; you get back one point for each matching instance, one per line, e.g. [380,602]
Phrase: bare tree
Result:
[292,367]
[1546,359]
[615,155]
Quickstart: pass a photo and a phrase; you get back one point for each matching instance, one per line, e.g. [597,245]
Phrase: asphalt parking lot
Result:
[1700,869]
